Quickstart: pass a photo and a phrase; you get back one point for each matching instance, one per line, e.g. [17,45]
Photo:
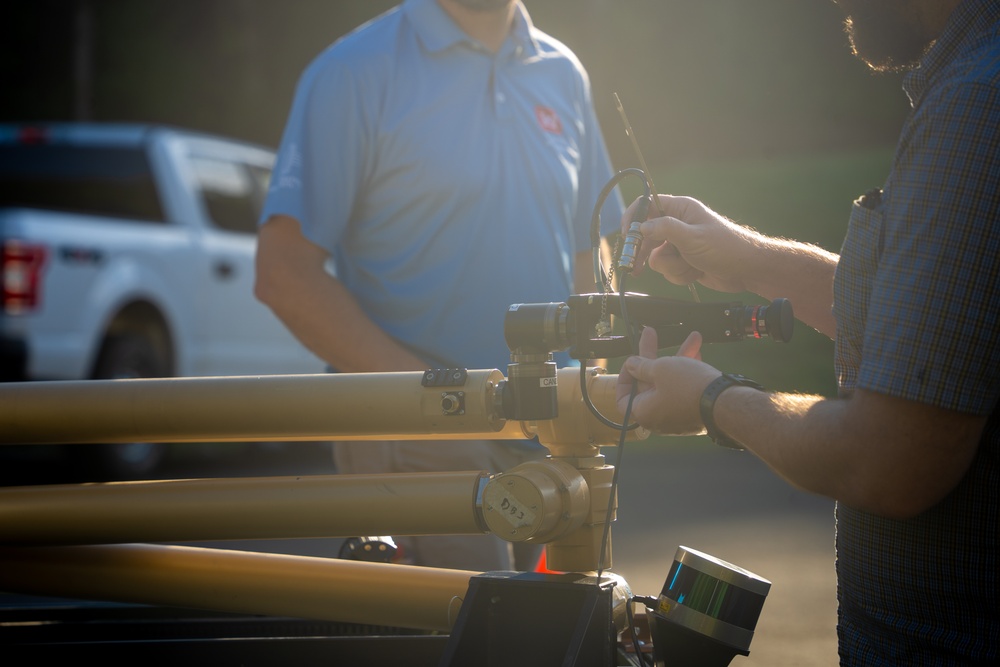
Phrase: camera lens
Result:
[775,320]
[536,328]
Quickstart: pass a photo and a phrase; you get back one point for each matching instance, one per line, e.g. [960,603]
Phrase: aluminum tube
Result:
[359,406]
[242,582]
[255,508]
[387,406]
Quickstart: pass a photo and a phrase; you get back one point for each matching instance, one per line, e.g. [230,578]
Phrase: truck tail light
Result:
[30,134]
[22,276]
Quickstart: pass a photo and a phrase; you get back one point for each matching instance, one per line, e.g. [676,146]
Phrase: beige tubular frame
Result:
[76,540]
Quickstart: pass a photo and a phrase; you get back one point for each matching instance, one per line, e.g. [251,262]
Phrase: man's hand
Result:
[669,388]
[692,243]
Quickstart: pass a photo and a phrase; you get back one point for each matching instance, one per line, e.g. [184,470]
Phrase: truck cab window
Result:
[230,193]
[109,181]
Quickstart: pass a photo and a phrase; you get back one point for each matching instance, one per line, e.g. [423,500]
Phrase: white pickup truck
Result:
[128,251]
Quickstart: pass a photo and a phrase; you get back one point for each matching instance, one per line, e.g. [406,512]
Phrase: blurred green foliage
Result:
[712,78]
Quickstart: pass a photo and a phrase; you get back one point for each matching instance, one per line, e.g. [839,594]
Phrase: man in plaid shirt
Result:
[911,447]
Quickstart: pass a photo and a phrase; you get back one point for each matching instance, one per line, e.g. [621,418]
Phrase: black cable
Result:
[606,535]
[621,437]
[595,219]
[632,631]
[593,408]
[624,427]
[600,279]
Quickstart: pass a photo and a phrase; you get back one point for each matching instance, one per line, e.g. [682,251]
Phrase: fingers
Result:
[661,229]
[648,343]
[663,243]
[629,213]
[664,227]
[691,347]
[640,367]
[668,262]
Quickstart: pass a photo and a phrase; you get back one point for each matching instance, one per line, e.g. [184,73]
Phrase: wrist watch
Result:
[707,405]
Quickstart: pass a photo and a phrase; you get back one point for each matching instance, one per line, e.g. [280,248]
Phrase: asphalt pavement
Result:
[730,505]
[672,492]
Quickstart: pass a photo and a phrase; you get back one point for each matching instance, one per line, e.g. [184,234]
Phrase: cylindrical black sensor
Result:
[706,612]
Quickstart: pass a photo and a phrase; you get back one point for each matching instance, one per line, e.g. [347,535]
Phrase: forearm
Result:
[885,455]
[693,243]
[327,319]
[292,280]
[765,423]
[801,273]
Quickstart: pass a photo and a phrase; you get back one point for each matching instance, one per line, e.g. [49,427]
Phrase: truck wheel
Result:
[126,356]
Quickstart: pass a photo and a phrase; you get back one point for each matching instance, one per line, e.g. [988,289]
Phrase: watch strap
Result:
[707,405]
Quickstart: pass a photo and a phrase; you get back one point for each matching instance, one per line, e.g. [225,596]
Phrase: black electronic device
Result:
[706,613]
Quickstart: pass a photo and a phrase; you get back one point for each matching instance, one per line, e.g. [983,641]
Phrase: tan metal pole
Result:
[242,582]
[221,509]
[359,406]
[386,406]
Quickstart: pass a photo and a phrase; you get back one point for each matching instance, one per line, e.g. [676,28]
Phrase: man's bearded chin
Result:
[886,41]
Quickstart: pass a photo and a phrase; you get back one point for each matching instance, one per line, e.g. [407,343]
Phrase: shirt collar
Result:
[438,32]
[970,19]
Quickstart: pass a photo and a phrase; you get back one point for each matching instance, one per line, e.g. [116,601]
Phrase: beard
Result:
[885,34]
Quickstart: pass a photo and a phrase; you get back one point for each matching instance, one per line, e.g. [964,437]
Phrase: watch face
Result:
[743,380]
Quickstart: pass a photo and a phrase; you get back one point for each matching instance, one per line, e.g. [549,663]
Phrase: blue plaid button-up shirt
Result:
[917,301]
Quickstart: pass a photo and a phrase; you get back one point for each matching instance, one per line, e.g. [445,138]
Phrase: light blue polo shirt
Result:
[445,181]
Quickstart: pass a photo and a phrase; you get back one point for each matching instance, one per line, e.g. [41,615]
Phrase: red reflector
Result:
[22,272]
[32,135]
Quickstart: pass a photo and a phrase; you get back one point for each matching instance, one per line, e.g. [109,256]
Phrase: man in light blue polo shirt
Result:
[446,157]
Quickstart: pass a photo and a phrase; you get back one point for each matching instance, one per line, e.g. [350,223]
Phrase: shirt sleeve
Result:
[323,157]
[933,334]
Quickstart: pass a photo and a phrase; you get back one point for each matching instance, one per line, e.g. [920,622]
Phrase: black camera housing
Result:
[548,327]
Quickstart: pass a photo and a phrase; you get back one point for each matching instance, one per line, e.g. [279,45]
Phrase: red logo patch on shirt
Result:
[548,119]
